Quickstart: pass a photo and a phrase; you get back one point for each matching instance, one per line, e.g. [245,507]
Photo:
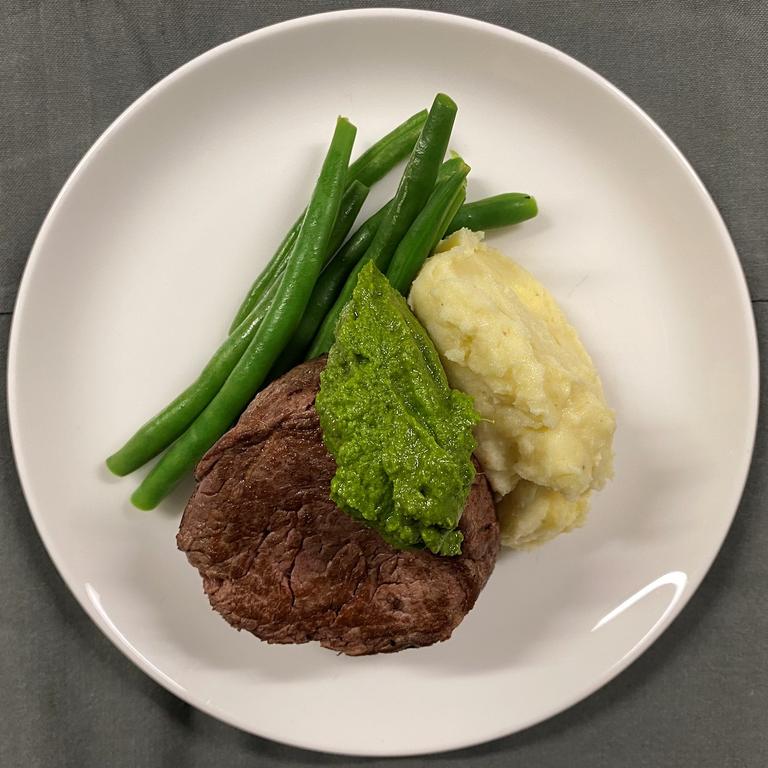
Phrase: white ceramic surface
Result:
[148,249]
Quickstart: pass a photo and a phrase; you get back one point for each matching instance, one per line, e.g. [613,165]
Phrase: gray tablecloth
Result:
[698,697]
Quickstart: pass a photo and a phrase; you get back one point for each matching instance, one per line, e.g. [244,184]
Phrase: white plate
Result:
[148,249]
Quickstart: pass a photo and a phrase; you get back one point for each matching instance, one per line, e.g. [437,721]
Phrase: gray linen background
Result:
[698,697]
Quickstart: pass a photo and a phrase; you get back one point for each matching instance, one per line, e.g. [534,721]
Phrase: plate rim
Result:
[203,59]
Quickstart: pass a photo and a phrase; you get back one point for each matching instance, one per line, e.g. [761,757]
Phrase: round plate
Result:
[150,246]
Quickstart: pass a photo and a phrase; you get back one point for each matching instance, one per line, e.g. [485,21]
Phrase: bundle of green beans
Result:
[337,274]
[280,318]
[170,423]
[369,168]
[290,311]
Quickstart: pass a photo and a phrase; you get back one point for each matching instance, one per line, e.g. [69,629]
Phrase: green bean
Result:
[351,203]
[415,186]
[493,212]
[380,158]
[371,166]
[449,167]
[269,275]
[278,324]
[450,212]
[161,430]
[427,229]
[417,181]
[326,290]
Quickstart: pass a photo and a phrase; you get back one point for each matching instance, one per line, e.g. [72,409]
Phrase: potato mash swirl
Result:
[546,439]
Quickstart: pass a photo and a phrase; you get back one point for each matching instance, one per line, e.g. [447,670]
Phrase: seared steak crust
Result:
[280,560]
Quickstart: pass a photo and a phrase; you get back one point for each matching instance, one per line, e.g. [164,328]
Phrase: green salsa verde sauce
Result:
[401,437]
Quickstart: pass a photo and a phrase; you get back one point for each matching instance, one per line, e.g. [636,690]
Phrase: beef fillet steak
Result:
[279,559]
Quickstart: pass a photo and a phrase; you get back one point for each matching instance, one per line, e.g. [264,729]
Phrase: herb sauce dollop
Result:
[401,437]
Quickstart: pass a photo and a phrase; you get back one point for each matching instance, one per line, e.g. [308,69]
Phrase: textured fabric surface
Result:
[699,696]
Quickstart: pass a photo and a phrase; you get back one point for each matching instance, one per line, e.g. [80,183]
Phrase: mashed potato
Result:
[504,340]
[532,514]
